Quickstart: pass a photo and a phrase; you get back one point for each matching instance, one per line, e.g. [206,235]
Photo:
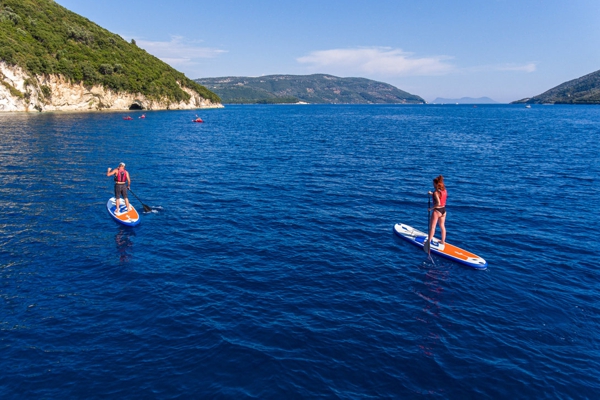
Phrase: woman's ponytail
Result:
[439,183]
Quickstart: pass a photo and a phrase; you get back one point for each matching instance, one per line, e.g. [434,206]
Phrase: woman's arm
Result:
[436,198]
[128,180]
[109,172]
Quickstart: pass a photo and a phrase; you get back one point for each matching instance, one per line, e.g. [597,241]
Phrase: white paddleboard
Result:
[122,216]
[446,250]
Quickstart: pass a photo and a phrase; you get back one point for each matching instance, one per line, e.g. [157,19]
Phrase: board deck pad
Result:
[446,250]
[129,218]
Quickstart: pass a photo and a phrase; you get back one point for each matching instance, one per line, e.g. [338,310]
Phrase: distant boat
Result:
[127,118]
[143,116]
[527,106]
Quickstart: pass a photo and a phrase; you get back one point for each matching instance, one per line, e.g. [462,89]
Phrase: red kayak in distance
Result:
[127,118]
[197,120]
[143,116]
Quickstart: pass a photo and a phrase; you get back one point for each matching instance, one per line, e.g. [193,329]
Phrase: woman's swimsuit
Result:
[442,210]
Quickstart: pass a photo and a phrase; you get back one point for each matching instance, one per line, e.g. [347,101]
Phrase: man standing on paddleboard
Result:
[121,179]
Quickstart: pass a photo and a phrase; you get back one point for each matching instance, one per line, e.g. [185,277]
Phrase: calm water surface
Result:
[269,268]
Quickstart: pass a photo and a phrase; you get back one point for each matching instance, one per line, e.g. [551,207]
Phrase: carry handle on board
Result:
[146,208]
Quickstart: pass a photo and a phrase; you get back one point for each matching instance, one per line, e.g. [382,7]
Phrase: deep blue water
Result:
[270,268]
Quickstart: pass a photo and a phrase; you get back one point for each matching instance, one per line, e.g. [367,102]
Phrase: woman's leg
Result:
[443,227]
[434,218]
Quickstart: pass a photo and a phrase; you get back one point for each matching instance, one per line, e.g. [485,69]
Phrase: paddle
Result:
[426,243]
[146,208]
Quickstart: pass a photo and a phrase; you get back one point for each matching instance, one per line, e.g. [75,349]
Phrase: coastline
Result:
[21,92]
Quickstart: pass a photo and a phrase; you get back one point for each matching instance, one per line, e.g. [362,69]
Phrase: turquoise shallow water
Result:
[270,268]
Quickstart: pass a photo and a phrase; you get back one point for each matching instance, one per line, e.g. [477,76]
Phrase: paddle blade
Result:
[426,246]
[147,208]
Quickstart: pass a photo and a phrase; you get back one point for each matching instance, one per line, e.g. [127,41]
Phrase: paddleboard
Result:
[129,218]
[446,250]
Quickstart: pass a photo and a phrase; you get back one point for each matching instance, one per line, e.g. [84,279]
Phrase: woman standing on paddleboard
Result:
[439,208]
[121,178]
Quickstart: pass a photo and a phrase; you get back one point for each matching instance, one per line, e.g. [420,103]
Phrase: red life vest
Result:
[121,176]
[443,195]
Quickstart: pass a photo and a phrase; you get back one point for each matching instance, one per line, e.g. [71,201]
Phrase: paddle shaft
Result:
[428,212]
[427,244]
[146,208]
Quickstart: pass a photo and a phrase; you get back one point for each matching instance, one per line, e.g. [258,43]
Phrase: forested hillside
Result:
[317,88]
[584,90]
[45,38]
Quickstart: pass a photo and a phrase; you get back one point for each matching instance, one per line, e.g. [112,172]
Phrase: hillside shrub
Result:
[106,69]
[46,91]
[13,91]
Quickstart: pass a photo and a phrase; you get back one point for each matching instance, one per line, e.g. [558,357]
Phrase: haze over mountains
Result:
[317,88]
[465,100]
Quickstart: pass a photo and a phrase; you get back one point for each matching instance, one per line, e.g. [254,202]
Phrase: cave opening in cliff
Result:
[136,106]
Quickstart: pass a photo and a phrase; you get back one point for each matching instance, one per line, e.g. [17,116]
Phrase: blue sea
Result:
[269,269]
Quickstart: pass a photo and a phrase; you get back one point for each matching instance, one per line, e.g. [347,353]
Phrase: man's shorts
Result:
[120,191]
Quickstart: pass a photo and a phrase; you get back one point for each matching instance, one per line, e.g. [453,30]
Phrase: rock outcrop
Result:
[20,91]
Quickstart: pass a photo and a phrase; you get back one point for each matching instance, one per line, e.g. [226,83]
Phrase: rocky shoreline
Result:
[20,92]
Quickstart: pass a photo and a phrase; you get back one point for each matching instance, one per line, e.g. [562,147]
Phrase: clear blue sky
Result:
[503,49]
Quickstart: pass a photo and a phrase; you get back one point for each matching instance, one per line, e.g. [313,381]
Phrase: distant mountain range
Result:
[584,90]
[465,100]
[317,88]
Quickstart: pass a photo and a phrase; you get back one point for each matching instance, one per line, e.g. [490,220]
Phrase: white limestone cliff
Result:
[21,92]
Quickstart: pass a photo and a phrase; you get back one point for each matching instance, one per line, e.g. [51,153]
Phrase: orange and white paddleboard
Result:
[129,218]
[446,250]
